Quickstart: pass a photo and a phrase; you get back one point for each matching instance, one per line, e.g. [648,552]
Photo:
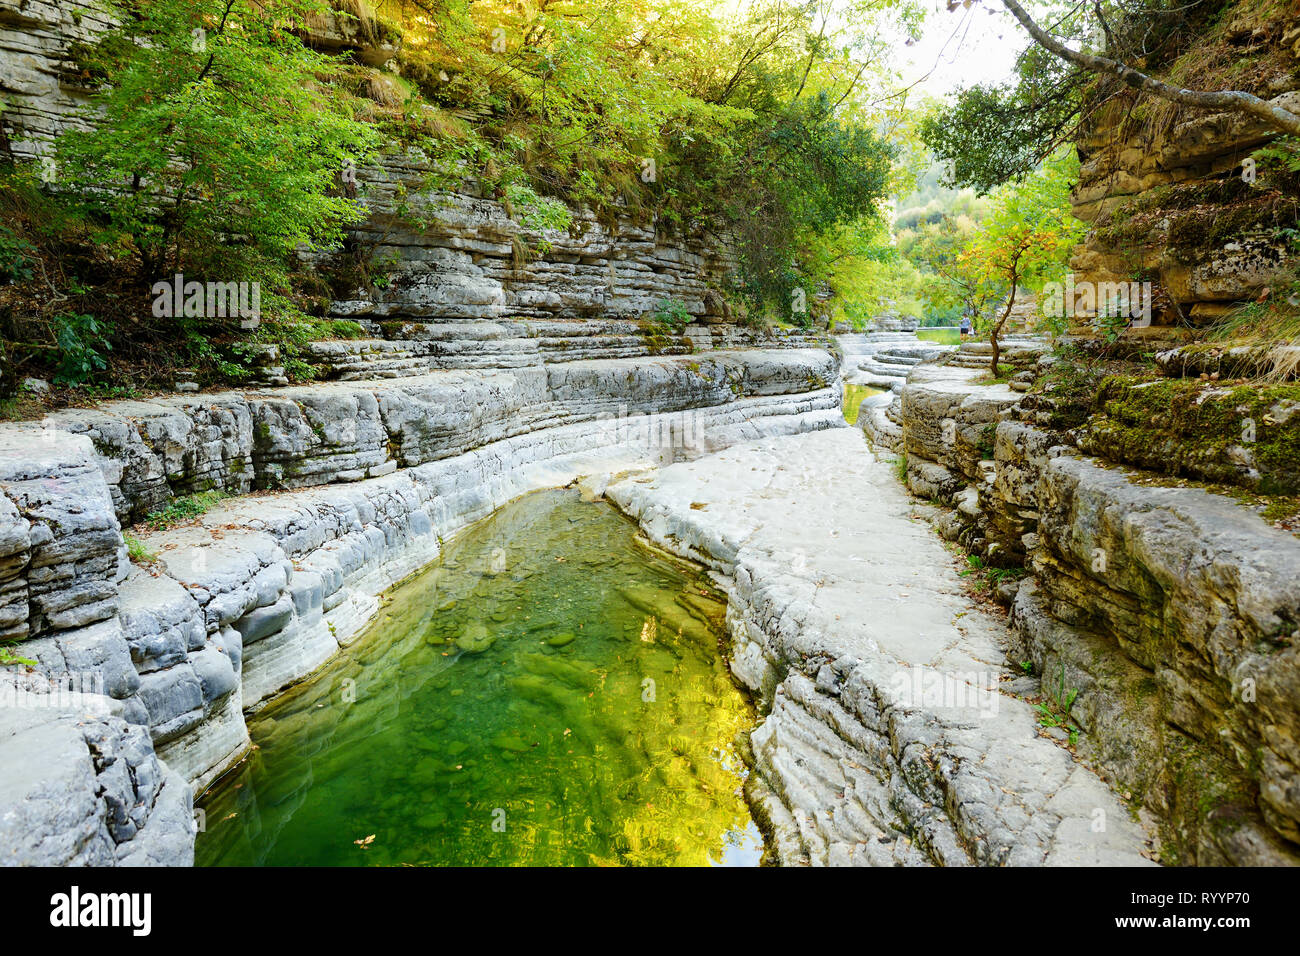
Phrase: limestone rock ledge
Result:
[81,788]
[281,438]
[1169,612]
[1174,611]
[262,590]
[889,735]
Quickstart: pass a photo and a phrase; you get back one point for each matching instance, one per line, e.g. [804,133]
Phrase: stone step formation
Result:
[369,476]
[1167,610]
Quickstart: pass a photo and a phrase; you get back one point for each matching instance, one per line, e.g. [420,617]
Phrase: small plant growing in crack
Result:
[988,577]
[900,467]
[183,510]
[138,551]
[9,659]
[1055,710]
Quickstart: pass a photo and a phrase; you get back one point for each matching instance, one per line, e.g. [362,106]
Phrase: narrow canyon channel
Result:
[854,395]
[550,692]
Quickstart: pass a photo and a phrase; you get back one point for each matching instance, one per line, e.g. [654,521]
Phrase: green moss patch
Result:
[1239,435]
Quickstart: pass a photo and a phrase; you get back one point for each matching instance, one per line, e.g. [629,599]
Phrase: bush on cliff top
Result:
[224,141]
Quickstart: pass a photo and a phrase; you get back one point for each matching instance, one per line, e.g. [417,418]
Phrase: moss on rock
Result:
[1240,435]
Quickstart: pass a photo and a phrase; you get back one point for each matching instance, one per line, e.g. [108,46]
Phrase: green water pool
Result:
[853,396]
[940,336]
[550,693]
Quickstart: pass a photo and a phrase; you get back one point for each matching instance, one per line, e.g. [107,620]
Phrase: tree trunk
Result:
[996,330]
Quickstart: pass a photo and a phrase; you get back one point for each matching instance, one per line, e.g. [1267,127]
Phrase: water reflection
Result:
[550,694]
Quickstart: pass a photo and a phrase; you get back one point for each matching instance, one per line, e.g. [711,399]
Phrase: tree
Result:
[1025,240]
[218,148]
[993,134]
[1234,100]
[867,274]
[1091,54]
[936,249]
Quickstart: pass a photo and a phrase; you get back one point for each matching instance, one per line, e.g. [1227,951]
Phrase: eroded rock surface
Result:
[281,438]
[895,735]
[1166,613]
[82,788]
[230,608]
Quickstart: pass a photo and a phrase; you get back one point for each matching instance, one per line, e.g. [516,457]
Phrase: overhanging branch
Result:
[1235,100]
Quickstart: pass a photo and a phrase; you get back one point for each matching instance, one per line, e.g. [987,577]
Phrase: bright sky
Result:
[964,47]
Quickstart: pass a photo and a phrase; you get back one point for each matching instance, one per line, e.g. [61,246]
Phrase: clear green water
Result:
[853,396]
[550,693]
[940,336]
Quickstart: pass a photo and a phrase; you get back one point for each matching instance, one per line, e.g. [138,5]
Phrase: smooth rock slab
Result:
[85,790]
[888,739]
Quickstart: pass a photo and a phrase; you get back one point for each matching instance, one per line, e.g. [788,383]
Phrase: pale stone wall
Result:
[1170,610]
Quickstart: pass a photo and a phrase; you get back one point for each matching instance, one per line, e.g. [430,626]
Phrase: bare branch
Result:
[1234,100]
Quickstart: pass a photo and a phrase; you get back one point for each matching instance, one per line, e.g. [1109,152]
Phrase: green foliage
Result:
[1055,711]
[994,134]
[1030,231]
[537,212]
[773,126]
[754,127]
[951,286]
[865,272]
[932,202]
[9,659]
[1284,153]
[220,157]
[182,509]
[138,551]
[17,257]
[672,314]
[334,329]
[82,343]
[807,175]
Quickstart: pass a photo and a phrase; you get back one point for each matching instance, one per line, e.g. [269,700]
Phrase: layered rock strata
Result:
[153,451]
[1166,615]
[894,732]
[219,614]
[1174,196]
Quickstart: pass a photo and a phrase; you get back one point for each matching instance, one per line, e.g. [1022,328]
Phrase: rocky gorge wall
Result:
[1160,616]
[39,85]
[462,283]
[1167,194]
[440,274]
[216,615]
